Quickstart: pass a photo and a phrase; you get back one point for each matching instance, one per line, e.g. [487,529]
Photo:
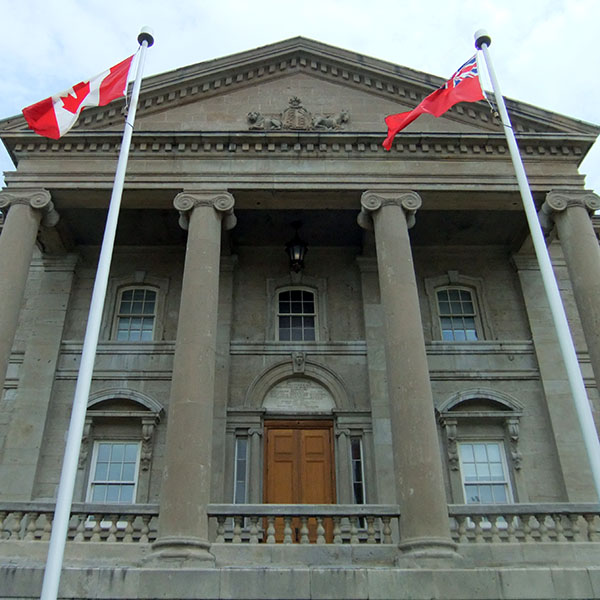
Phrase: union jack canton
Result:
[468,70]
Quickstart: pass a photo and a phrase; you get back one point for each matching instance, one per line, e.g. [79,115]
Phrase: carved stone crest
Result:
[297,118]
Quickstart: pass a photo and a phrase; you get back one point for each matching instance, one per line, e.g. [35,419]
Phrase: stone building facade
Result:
[389,419]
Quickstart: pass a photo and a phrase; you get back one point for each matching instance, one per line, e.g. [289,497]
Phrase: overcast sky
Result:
[545,52]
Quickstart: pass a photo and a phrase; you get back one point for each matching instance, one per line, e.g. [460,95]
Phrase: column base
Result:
[182,551]
[429,547]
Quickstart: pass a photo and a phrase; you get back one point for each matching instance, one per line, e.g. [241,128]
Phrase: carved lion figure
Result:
[331,121]
[258,121]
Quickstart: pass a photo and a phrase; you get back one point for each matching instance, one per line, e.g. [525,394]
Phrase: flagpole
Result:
[64,500]
[580,398]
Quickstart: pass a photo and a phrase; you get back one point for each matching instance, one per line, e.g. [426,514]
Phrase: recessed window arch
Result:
[297,318]
[457,314]
[482,443]
[458,308]
[135,314]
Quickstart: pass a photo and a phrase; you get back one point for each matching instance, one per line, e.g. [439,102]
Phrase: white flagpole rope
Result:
[64,500]
[580,398]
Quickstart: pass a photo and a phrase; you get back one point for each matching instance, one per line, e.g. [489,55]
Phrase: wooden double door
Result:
[299,467]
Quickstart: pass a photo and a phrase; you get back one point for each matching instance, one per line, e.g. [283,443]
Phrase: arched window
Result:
[135,315]
[296,315]
[457,314]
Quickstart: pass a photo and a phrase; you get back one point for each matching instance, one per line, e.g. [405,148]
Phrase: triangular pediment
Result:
[300,85]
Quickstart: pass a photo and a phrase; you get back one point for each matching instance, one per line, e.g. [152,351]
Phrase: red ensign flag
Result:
[463,86]
[54,116]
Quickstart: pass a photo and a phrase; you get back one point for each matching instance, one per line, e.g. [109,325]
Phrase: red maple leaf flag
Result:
[463,86]
[55,115]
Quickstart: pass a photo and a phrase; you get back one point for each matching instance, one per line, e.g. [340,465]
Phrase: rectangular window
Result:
[484,473]
[358,472]
[296,315]
[457,315]
[114,472]
[240,475]
[135,315]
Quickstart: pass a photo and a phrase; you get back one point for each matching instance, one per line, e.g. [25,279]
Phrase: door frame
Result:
[286,423]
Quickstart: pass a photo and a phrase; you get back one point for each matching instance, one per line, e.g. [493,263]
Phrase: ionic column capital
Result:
[38,199]
[372,201]
[222,202]
[557,201]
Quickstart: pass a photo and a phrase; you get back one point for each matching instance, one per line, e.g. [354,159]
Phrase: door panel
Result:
[299,469]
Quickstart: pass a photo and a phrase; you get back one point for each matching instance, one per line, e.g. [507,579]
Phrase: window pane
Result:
[496,472]
[126,494]
[99,493]
[499,492]
[485,494]
[284,307]
[297,308]
[453,294]
[493,452]
[114,471]
[309,335]
[472,494]
[480,452]
[284,335]
[483,472]
[466,452]
[128,472]
[296,335]
[112,493]
[104,452]
[460,336]
[296,295]
[469,472]
[101,471]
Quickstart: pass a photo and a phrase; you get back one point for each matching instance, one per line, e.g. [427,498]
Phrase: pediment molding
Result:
[300,55]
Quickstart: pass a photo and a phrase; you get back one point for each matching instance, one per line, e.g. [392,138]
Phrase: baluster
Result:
[494,533]
[15,529]
[354,530]
[575,529]
[128,532]
[30,528]
[387,530]
[220,529]
[542,528]
[287,530]
[97,529]
[46,527]
[527,533]
[559,531]
[3,514]
[478,519]
[320,531]
[463,523]
[80,529]
[270,530]
[304,530]
[112,530]
[511,536]
[237,529]
[592,531]
[337,530]
[254,530]
[370,529]
[145,529]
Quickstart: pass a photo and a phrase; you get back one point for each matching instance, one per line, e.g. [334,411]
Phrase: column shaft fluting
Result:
[186,486]
[582,256]
[16,250]
[424,524]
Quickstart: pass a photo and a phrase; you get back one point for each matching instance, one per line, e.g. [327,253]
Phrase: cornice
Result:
[539,146]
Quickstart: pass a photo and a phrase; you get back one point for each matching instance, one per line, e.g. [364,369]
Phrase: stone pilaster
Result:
[186,486]
[570,211]
[26,210]
[424,524]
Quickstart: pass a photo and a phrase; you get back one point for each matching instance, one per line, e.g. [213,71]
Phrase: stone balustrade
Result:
[308,523]
[527,523]
[304,523]
[32,521]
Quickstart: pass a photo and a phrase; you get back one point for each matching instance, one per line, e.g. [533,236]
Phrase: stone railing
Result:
[304,523]
[32,521]
[307,523]
[514,523]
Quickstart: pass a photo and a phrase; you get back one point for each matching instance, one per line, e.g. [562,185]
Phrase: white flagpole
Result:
[64,500]
[582,405]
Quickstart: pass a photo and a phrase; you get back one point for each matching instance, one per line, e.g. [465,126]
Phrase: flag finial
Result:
[146,35]
[482,37]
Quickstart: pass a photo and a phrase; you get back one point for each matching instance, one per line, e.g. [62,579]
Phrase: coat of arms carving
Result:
[295,117]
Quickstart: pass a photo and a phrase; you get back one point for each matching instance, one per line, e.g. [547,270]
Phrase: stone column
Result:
[186,485]
[26,210]
[571,210]
[424,523]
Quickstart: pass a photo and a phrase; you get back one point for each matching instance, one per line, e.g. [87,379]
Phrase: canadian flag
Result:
[54,116]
